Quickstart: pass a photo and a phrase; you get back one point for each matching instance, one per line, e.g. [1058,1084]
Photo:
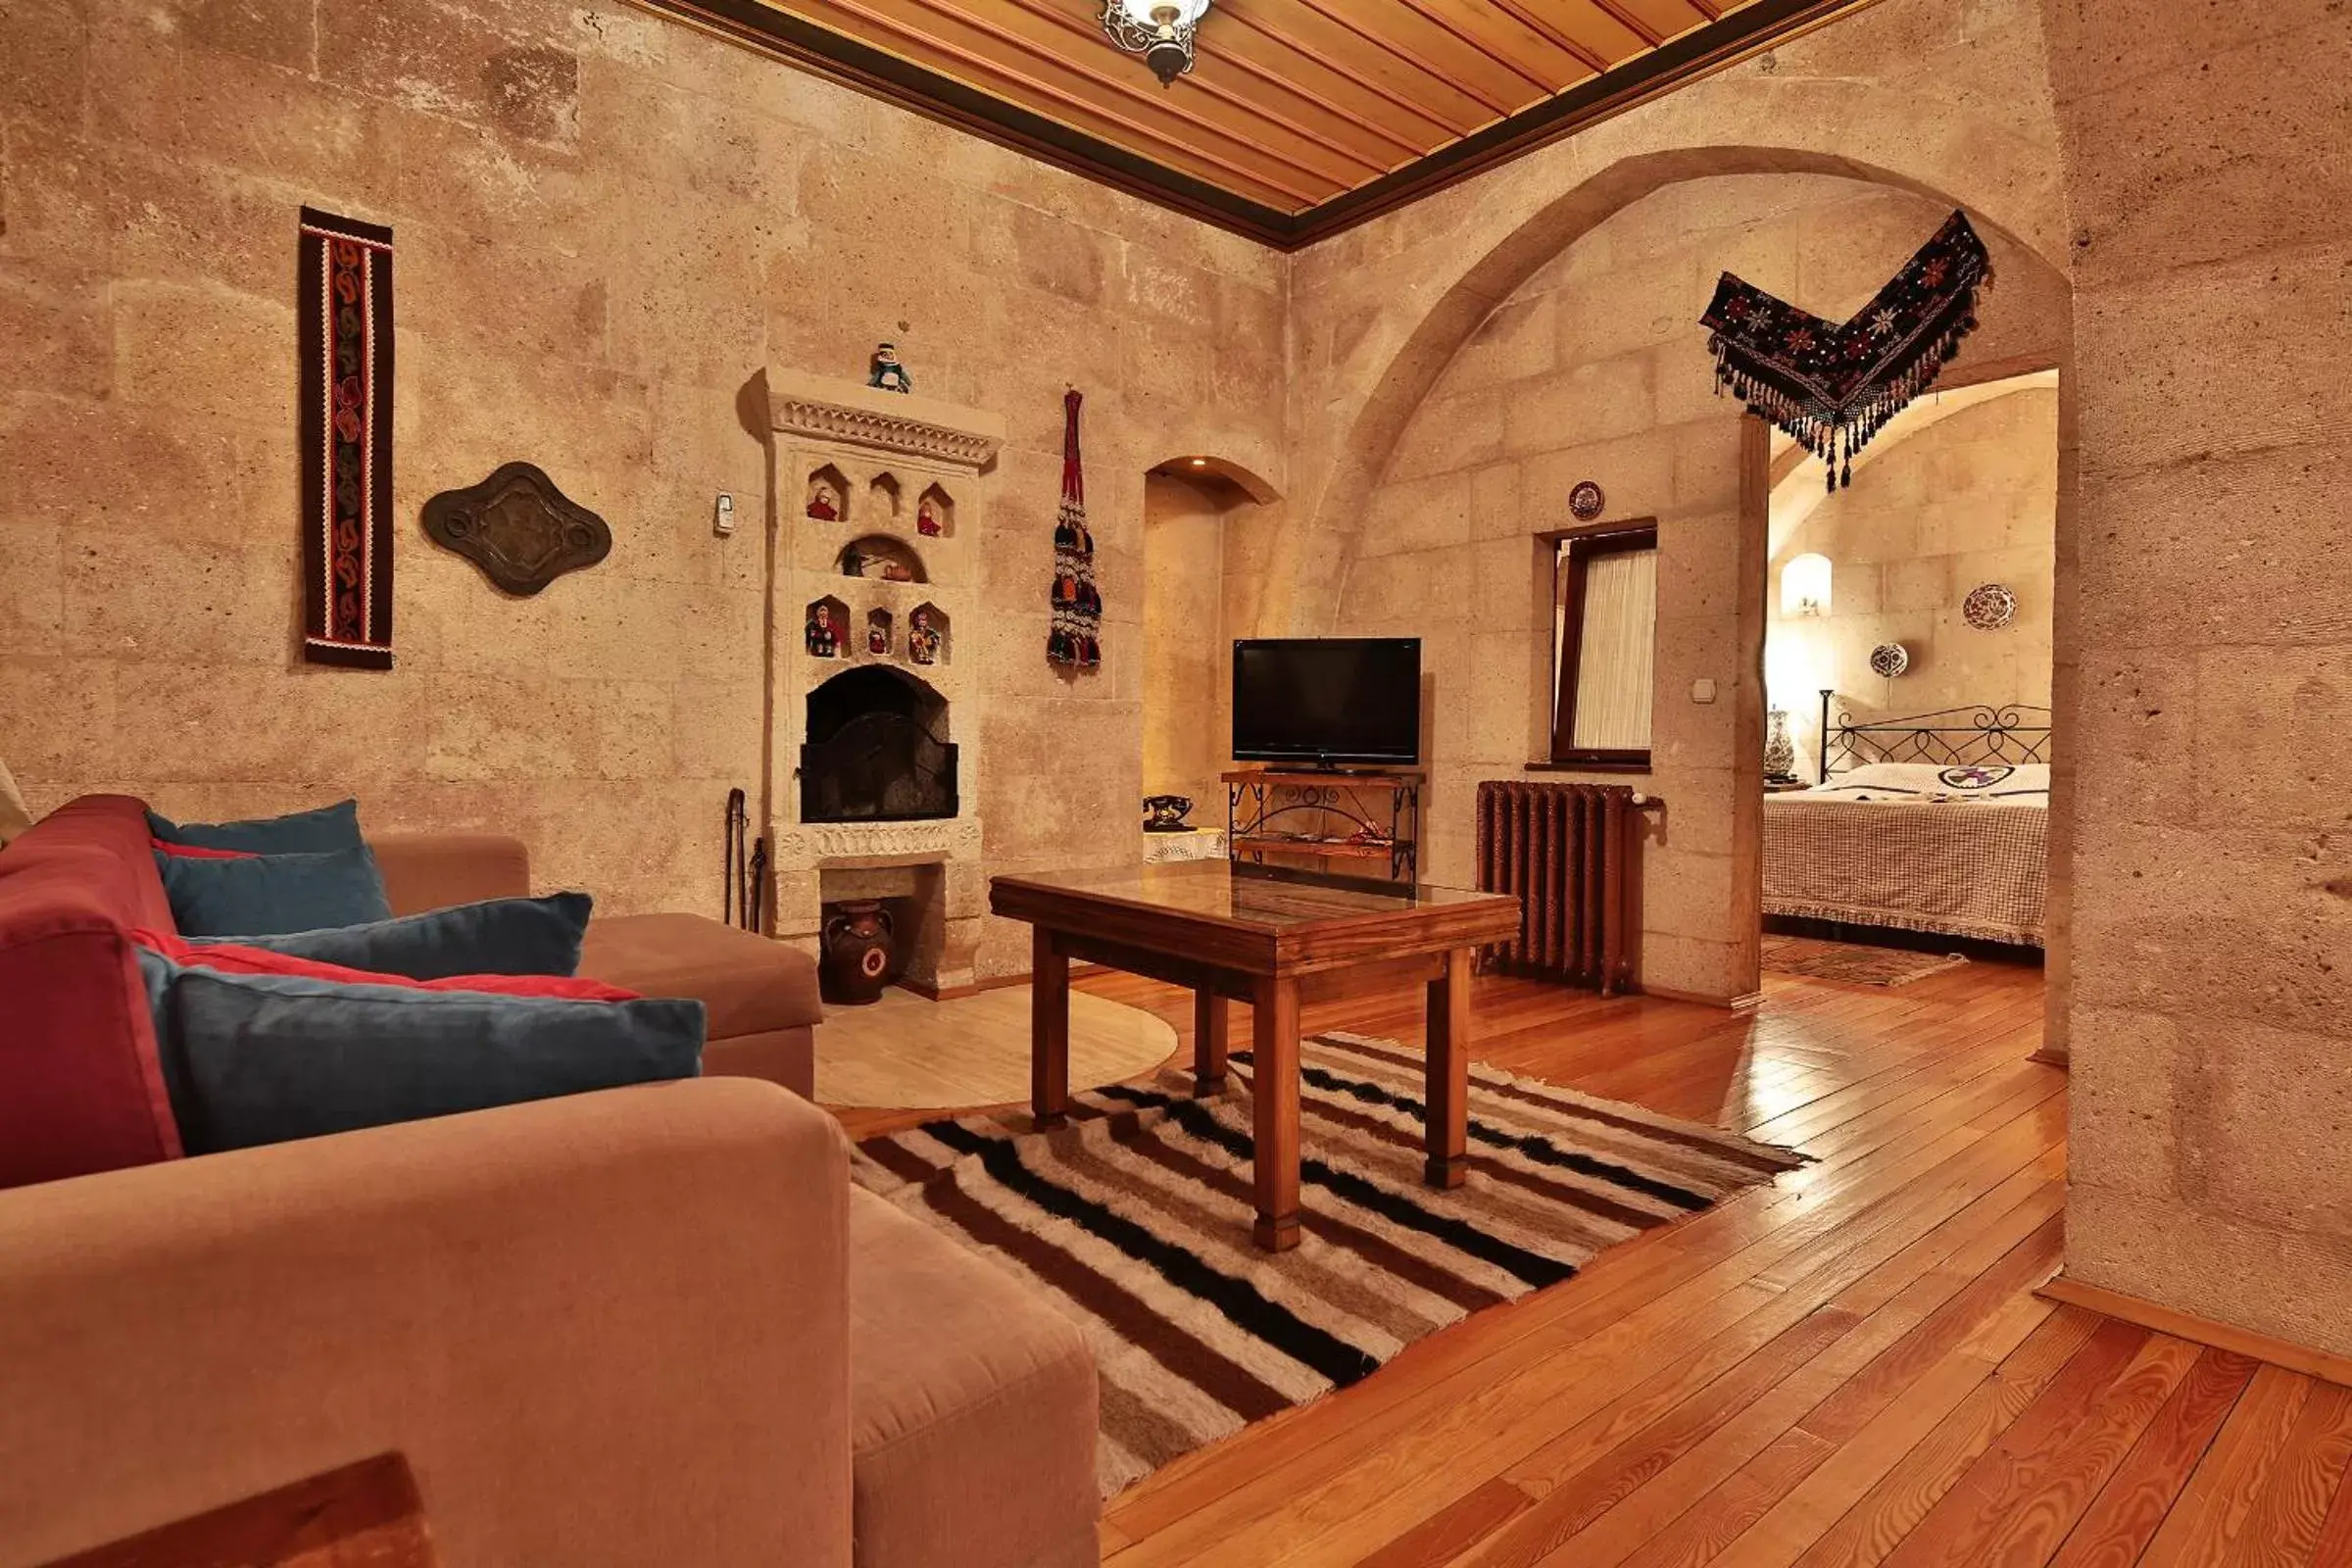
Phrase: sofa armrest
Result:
[433,870]
[608,1329]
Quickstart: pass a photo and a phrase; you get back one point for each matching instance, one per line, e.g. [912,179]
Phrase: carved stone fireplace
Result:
[875,710]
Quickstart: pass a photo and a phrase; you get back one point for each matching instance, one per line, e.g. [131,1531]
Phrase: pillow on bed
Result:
[1931,781]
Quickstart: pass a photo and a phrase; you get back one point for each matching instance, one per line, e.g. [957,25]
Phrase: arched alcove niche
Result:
[1206,535]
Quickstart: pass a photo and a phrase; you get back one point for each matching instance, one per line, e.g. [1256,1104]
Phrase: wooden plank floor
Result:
[1847,1367]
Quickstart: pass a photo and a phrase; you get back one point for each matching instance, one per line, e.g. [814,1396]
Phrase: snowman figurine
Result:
[887,373]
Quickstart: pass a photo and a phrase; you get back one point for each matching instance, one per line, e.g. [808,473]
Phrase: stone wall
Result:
[1969,499]
[1596,368]
[607,225]
[2212,999]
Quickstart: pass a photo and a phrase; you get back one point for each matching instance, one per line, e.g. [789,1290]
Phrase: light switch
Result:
[1702,690]
[723,523]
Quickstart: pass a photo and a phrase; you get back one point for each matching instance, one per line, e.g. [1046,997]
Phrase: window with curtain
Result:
[1606,599]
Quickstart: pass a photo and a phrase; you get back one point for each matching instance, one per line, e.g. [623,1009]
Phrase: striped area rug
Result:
[1135,1221]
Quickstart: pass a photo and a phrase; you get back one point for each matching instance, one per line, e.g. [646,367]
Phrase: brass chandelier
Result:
[1160,30]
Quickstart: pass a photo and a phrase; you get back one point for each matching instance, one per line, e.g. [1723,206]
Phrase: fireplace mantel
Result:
[823,408]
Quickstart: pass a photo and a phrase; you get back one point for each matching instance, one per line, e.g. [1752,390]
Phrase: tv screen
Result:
[1327,701]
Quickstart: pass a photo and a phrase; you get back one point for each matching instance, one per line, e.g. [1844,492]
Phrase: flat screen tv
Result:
[1327,701]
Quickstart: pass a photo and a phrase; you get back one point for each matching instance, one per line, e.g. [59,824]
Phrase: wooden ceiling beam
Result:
[1543,86]
[1535,22]
[1630,21]
[1356,24]
[1250,16]
[1091,32]
[1301,193]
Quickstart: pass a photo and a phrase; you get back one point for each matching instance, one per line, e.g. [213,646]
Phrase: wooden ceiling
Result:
[1301,116]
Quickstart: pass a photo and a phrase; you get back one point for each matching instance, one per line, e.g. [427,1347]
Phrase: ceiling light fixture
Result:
[1159,30]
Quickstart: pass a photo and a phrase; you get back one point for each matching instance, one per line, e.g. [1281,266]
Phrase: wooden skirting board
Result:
[1746,1004]
[2201,1331]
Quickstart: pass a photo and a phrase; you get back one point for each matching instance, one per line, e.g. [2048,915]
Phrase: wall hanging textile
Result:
[343,271]
[1076,639]
[1834,387]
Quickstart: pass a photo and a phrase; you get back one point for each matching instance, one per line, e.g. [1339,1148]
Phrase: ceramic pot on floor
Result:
[860,940]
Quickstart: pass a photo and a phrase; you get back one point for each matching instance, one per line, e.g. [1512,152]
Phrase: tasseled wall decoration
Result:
[1834,387]
[1075,640]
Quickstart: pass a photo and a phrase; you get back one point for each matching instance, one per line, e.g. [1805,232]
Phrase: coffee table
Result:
[1276,940]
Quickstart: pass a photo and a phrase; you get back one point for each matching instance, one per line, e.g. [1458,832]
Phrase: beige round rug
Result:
[904,1052]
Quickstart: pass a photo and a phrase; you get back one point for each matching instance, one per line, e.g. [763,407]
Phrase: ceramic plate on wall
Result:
[1989,606]
[1890,660]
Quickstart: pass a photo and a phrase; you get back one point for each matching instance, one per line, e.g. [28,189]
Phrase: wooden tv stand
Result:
[1363,816]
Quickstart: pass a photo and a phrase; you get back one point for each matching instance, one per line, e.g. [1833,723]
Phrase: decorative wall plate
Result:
[517,527]
[1587,501]
[1890,660]
[1989,606]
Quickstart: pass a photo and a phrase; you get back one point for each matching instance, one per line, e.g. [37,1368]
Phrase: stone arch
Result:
[1462,306]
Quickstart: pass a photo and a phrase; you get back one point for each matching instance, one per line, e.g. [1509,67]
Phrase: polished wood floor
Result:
[1848,1367]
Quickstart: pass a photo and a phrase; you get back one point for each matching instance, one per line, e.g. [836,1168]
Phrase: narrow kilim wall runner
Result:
[343,273]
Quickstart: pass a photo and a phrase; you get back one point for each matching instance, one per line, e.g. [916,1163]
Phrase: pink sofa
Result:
[653,1325]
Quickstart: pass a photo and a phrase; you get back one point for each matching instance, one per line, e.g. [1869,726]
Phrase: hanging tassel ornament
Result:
[1074,640]
[1833,387]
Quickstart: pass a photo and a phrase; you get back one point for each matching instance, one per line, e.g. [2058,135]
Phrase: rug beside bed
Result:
[1853,963]
[1135,1221]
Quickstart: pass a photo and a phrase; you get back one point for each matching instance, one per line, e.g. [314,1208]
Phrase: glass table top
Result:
[1246,895]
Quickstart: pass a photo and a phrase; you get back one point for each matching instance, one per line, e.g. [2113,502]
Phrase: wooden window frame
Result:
[1584,547]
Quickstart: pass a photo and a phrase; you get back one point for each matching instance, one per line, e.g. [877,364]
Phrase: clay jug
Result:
[858,943]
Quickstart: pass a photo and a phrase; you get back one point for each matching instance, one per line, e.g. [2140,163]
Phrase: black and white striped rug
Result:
[1135,1221]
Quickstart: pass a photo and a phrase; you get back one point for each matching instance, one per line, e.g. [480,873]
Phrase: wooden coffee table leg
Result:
[1048,1030]
[1449,1065]
[1274,1082]
[1212,1031]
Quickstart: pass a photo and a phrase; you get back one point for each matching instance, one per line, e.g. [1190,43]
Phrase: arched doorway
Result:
[1443,471]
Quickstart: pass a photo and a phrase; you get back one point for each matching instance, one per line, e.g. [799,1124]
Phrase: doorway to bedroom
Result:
[1908,667]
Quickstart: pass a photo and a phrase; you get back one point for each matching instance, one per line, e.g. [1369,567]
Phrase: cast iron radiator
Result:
[1566,851]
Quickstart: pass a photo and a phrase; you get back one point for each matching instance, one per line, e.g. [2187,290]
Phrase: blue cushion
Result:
[320,832]
[496,936]
[259,895]
[252,1059]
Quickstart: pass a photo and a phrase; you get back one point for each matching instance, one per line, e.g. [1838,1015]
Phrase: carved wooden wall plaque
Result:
[517,527]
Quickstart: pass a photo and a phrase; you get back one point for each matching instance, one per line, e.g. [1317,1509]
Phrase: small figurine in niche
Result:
[922,638]
[877,637]
[822,643]
[823,503]
[926,518]
[853,565]
[895,571]
[887,373]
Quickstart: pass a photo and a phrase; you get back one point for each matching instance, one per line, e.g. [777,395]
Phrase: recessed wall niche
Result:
[828,497]
[935,514]
[882,495]
[927,634]
[878,554]
[879,635]
[825,628]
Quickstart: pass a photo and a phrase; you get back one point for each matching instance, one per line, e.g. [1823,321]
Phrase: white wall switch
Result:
[724,522]
[1702,691]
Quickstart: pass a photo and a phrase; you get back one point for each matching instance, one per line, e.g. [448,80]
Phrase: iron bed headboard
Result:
[1951,737]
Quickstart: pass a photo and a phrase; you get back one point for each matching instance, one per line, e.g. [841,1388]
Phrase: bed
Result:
[1935,822]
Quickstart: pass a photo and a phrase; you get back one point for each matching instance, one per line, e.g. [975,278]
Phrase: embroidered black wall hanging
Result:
[1834,387]
[1076,639]
[343,271]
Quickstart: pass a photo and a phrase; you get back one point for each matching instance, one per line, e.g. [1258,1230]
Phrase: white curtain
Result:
[1613,656]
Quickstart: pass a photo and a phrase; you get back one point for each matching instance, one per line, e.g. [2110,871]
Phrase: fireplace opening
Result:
[877,751]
